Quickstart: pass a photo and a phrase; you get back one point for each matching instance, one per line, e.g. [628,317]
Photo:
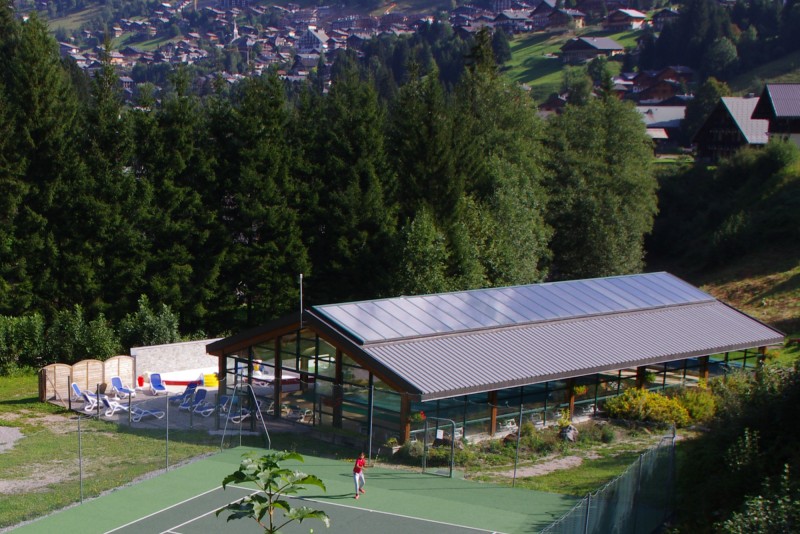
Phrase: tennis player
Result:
[358,474]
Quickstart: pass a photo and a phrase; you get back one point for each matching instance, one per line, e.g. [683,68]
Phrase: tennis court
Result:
[184,499]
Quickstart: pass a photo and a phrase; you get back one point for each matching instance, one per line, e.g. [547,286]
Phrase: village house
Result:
[580,49]
[624,19]
[779,104]
[564,20]
[729,128]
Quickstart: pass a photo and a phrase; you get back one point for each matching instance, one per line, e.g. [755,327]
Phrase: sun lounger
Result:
[187,394]
[112,406]
[89,401]
[138,413]
[193,402]
[156,385]
[119,389]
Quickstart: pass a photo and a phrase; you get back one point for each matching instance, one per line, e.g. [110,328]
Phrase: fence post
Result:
[636,496]
[80,457]
[588,509]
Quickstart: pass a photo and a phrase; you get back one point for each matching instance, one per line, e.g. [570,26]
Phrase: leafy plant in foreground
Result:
[275,483]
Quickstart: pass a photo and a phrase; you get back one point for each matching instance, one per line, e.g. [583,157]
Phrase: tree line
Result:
[213,206]
[722,42]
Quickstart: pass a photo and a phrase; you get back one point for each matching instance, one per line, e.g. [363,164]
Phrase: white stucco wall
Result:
[173,357]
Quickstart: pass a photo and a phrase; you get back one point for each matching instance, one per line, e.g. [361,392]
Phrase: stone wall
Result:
[173,357]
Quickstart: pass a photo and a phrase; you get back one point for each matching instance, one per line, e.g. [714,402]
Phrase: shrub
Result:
[641,405]
[592,432]
[699,402]
[146,327]
[70,338]
[21,342]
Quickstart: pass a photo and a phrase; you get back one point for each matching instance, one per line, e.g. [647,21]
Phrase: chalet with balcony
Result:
[540,16]
[664,17]
[624,19]
[563,20]
[779,104]
[729,128]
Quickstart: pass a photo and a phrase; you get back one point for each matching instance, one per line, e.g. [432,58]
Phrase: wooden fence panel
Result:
[55,380]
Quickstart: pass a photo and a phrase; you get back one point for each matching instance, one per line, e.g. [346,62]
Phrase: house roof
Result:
[662,116]
[755,131]
[778,100]
[451,344]
[596,43]
[632,13]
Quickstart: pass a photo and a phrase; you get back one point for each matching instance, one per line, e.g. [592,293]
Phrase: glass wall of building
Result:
[319,385]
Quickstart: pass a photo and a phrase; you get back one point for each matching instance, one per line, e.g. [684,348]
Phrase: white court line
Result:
[163,510]
[173,530]
[386,513]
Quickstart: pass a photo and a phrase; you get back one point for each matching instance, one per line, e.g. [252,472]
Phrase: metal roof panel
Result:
[452,365]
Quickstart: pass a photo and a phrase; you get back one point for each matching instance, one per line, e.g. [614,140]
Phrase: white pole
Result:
[301,300]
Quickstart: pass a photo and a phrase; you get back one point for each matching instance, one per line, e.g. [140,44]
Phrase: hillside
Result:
[765,286]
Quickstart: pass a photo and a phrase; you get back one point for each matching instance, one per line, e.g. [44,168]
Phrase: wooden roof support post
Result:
[492,412]
[405,423]
[641,377]
[762,356]
[571,395]
[704,368]
[338,391]
[277,384]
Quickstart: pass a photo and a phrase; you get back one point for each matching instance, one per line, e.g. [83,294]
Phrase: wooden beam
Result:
[338,391]
[405,423]
[571,394]
[704,368]
[492,412]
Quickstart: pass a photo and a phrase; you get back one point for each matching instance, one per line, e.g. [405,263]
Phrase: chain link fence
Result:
[638,501]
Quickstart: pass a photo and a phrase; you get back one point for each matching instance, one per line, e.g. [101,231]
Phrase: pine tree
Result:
[258,200]
[602,195]
[117,201]
[351,232]
[43,109]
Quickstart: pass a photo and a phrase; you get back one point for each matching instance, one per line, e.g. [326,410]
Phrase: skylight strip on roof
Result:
[493,316]
[449,315]
[359,330]
[579,300]
[397,322]
[503,303]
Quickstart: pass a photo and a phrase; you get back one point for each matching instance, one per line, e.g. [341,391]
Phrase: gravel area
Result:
[8,436]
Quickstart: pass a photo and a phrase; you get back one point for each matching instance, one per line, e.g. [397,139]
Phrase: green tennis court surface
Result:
[184,500]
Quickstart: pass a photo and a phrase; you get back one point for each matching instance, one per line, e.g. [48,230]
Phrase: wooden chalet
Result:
[729,128]
[779,104]
[582,49]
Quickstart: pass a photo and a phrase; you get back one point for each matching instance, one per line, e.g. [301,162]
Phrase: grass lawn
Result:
[536,63]
[42,472]
[782,70]
[75,21]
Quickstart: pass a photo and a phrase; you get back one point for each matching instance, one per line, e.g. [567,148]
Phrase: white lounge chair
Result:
[89,401]
[112,406]
[138,413]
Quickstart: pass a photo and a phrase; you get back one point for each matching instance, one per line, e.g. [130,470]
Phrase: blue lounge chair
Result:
[156,385]
[193,402]
[119,389]
[187,394]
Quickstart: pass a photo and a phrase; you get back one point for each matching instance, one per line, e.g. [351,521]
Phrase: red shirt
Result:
[360,463]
